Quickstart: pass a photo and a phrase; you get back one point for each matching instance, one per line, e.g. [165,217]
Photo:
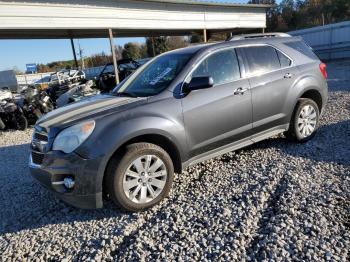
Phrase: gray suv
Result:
[180,108]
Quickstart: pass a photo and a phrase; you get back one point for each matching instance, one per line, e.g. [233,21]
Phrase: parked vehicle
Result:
[183,107]
[8,80]
[77,93]
[66,76]
[35,103]
[106,80]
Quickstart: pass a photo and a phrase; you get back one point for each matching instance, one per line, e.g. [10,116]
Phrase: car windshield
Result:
[154,76]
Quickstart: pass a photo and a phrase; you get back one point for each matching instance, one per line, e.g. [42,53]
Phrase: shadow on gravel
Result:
[25,205]
[331,144]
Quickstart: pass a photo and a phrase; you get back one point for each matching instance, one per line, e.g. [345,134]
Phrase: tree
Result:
[289,14]
[196,38]
[132,51]
[156,45]
[175,42]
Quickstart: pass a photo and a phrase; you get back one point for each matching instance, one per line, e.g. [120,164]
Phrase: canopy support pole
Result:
[111,42]
[205,35]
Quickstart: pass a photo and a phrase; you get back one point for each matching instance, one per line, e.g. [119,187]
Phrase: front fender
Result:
[113,131]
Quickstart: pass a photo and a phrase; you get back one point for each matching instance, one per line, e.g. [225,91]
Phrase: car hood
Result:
[88,108]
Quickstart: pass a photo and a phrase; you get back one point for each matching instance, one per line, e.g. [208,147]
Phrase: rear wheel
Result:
[22,122]
[305,121]
[140,177]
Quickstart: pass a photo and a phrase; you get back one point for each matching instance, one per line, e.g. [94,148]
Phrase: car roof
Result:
[238,41]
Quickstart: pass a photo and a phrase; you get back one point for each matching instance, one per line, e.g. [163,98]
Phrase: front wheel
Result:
[304,122]
[2,125]
[139,177]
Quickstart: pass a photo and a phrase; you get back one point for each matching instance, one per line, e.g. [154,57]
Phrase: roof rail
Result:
[252,36]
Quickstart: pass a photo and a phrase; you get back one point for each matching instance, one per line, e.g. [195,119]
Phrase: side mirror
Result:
[201,82]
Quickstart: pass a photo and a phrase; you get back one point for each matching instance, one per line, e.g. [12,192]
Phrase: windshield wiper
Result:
[122,94]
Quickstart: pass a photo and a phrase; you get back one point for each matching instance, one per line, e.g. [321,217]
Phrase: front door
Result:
[221,114]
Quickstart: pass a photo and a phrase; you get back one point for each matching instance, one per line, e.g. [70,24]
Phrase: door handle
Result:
[240,91]
[288,75]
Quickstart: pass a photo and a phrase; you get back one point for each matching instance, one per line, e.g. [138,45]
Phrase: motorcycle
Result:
[35,103]
[12,116]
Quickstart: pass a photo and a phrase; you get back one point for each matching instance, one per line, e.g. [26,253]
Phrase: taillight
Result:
[323,69]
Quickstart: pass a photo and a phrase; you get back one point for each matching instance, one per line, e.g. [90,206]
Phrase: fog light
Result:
[68,182]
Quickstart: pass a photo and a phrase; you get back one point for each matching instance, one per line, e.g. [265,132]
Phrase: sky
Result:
[18,53]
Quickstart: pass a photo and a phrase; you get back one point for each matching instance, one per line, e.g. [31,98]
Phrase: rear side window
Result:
[303,48]
[261,59]
[284,61]
[222,66]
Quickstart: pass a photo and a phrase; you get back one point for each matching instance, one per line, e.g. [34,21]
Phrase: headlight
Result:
[70,138]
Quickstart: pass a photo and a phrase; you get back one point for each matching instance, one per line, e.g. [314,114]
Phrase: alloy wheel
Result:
[145,179]
[307,120]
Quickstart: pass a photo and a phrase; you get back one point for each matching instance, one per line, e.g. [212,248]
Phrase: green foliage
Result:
[298,14]
[196,38]
[132,50]
[156,45]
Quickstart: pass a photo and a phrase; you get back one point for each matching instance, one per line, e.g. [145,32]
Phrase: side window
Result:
[261,59]
[284,61]
[222,66]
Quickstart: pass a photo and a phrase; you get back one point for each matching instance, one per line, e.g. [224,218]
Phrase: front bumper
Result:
[87,191]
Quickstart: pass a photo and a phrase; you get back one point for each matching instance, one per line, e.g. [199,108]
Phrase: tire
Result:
[2,125]
[149,185]
[296,131]
[22,122]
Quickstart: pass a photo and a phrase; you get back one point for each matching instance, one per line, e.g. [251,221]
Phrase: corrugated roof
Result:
[211,3]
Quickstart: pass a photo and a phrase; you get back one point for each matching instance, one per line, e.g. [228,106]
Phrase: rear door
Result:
[271,75]
[222,114]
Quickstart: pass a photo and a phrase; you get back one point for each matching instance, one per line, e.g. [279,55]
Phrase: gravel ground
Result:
[272,201]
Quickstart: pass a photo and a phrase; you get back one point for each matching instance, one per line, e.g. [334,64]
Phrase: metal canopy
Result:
[45,19]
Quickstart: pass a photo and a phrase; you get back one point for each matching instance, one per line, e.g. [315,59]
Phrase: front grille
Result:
[37,158]
[40,137]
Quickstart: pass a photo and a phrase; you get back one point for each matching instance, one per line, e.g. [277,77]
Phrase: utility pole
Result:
[323,19]
[153,49]
[81,56]
[74,53]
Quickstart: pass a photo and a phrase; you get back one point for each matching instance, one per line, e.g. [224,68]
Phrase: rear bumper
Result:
[87,191]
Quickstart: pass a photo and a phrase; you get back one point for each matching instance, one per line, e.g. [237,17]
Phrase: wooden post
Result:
[74,53]
[205,35]
[111,42]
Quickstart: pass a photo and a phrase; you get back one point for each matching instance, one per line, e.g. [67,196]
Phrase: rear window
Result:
[261,59]
[303,48]
[284,60]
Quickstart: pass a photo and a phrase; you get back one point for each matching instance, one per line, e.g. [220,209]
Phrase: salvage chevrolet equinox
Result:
[180,108]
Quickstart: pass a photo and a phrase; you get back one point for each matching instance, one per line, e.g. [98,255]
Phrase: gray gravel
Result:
[272,201]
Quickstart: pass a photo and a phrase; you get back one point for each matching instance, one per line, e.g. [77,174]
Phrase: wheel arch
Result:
[314,95]
[157,139]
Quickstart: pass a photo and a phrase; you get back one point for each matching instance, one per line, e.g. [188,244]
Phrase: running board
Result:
[236,145]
